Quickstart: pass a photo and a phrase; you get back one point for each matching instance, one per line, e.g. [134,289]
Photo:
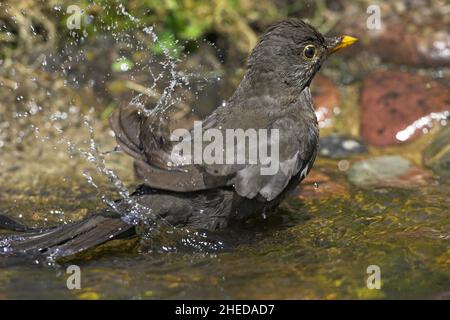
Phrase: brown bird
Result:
[274,94]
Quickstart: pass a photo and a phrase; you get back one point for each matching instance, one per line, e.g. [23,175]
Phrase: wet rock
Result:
[415,45]
[340,146]
[386,171]
[326,100]
[398,107]
[418,36]
[437,155]
[316,176]
[319,185]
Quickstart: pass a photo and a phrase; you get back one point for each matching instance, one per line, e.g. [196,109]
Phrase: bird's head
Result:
[291,52]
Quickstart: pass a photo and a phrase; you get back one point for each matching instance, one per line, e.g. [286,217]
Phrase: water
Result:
[59,161]
[319,248]
[88,149]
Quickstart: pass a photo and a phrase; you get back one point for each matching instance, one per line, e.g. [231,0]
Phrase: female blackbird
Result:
[274,94]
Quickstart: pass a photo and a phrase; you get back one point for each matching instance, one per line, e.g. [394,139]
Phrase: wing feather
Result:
[147,140]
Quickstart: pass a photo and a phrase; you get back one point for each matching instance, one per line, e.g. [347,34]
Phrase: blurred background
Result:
[378,194]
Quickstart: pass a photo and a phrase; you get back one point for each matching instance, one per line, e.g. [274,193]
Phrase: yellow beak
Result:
[345,42]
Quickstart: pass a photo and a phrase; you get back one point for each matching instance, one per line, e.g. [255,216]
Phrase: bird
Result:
[274,94]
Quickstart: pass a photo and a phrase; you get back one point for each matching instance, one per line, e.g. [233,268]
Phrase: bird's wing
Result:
[151,149]
[147,139]
[295,158]
[297,143]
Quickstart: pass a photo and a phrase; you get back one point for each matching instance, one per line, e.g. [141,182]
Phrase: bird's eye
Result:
[309,52]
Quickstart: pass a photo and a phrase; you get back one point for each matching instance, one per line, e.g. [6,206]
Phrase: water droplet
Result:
[343,165]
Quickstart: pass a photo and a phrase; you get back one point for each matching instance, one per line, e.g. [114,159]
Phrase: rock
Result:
[326,100]
[417,37]
[398,106]
[315,176]
[437,155]
[319,185]
[386,171]
[340,146]
[414,45]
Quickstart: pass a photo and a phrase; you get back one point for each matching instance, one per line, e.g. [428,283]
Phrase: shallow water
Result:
[315,248]
[317,245]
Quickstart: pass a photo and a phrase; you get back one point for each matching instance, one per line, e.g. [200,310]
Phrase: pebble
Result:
[386,171]
[340,146]
[398,106]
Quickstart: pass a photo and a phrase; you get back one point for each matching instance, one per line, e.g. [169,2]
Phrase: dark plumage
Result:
[274,94]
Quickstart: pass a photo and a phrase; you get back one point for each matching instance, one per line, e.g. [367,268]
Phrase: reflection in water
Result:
[424,123]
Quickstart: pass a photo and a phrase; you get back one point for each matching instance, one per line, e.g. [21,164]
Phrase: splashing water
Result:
[60,120]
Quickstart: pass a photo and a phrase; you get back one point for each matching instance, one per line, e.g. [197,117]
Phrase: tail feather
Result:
[10,224]
[73,238]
